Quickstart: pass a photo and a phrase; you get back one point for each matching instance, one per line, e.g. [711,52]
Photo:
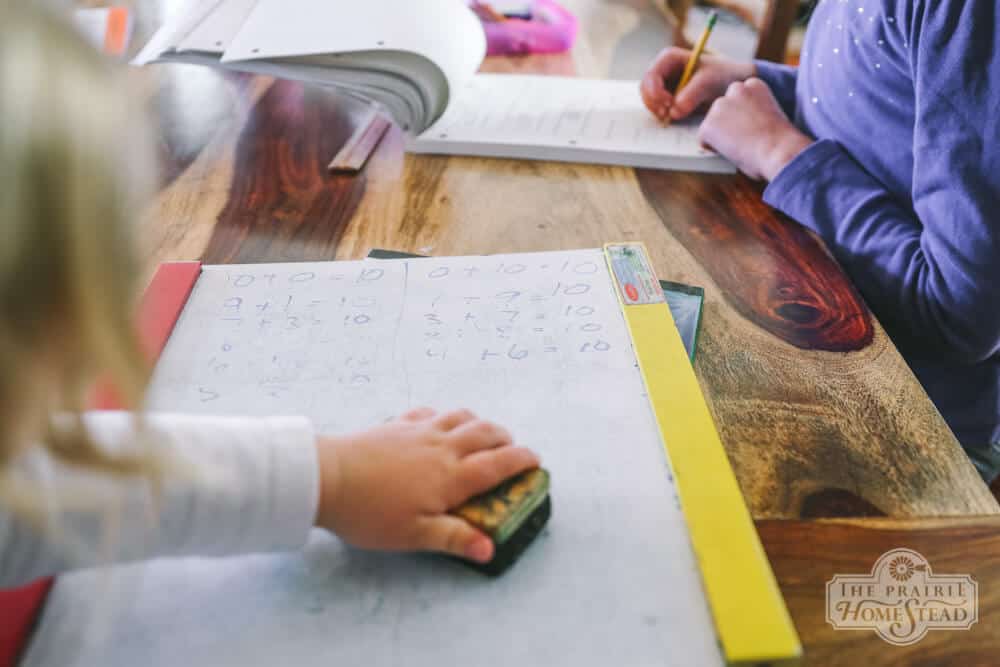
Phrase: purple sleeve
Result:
[781,80]
[930,267]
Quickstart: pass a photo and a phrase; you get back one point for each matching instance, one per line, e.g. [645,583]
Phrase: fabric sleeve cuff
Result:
[795,189]
[294,487]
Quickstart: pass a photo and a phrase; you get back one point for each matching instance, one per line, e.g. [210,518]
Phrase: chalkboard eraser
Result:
[512,514]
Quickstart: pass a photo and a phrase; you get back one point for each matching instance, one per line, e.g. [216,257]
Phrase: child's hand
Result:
[390,488]
[708,82]
[748,126]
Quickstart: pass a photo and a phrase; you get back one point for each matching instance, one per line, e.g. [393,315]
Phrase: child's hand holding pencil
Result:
[744,122]
[682,81]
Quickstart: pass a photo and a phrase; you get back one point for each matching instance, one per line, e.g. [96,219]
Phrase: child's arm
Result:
[244,485]
[240,485]
[930,271]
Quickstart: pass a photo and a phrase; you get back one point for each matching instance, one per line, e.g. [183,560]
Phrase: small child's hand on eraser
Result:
[511,514]
[390,488]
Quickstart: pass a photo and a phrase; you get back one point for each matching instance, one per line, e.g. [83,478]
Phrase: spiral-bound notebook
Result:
[407,56]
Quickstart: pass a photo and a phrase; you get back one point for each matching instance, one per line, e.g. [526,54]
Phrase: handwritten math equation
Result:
[279,336]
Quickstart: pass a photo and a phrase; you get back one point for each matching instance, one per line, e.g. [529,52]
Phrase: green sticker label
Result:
[634,275]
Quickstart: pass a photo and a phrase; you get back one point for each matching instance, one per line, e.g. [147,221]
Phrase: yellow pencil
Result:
[696,54]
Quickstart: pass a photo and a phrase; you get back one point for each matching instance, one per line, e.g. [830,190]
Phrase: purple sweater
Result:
[903,182]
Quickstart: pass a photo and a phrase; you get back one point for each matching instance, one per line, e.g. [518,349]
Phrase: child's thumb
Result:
[455,536]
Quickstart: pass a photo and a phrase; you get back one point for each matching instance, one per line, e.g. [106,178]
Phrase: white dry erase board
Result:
[536,342]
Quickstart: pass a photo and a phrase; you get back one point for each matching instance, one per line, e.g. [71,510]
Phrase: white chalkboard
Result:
[536,342]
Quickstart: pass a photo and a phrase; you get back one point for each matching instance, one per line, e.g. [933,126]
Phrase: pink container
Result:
[552,29]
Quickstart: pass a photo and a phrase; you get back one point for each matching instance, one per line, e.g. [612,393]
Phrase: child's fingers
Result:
[669,64]
[698,91]
[663,73]
[655,97]
[480,472]
[453,419]
[478,435]
[449,534]
[418,414]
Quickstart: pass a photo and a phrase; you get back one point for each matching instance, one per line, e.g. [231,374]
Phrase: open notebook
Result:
[419,61]
[568,119]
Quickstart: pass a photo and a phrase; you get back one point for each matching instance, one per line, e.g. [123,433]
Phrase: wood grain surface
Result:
[820,415]
[807,554]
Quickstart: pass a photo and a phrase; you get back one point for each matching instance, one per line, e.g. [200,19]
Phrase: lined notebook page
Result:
[561,118]
[534,341]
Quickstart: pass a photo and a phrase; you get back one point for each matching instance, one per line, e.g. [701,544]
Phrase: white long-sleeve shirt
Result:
[239,485]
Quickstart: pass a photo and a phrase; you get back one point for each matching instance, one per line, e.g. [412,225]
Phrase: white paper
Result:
[428,49]
[536,342]
[561,118]
[216,31]
[184,18]
[446,32]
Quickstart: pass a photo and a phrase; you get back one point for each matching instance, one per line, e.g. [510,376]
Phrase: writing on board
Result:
[536,342]
[278,337]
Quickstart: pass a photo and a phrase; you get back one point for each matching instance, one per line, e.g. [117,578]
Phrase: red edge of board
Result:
[159,309]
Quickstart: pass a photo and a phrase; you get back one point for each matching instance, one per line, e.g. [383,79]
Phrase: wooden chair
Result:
[773,29]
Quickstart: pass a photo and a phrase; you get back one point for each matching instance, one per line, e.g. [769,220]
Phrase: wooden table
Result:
[820,415]
[818,411]
[807,554]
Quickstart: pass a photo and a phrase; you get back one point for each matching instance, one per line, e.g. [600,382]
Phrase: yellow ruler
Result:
[750,616]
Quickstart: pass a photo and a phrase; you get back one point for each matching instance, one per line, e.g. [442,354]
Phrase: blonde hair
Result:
[75,162]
